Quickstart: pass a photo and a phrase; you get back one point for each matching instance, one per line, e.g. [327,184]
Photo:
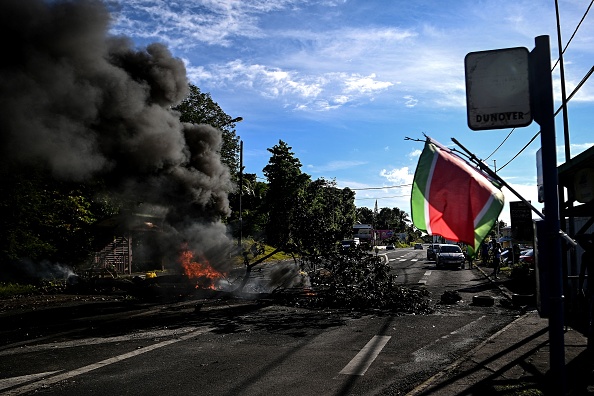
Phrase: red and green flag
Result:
[453,199]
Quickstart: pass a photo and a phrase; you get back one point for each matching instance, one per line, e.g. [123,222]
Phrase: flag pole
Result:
[495,176]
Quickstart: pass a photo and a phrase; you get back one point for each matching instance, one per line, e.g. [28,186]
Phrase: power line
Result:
[494,151]
[574,32]
[566,101]
[379,188]
[394,196]
[577,88]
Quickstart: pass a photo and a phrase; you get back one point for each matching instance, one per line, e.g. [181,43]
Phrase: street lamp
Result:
[232,121]
[239,119]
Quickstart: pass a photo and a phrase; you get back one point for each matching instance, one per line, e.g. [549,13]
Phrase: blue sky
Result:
[345,82]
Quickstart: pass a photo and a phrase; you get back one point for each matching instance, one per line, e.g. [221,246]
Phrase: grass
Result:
[12,289]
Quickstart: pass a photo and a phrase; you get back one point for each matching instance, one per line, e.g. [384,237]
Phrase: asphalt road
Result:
[240,347]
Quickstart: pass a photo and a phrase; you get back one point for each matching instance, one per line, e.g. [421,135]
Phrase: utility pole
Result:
[495,170]
[240,190]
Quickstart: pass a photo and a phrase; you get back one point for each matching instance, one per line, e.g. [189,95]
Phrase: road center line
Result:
[361,362]
[82,370]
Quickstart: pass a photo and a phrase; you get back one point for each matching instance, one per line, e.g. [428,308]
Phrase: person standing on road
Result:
[587,267]
[496,259]
[469,257]
[484,253]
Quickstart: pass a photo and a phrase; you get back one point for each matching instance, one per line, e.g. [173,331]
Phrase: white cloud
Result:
[415,153]
[398,175]
[410,101]
[321,92]
[367,84]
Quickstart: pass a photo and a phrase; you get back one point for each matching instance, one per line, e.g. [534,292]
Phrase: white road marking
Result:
[14,381]
[82,370]
[402,260]
[361,362]
[142,335]
[425,278]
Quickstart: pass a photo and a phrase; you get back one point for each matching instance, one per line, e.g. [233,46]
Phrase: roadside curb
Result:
[431,381]
[502,289]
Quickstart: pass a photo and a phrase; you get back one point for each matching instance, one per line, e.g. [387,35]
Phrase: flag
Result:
[453,199]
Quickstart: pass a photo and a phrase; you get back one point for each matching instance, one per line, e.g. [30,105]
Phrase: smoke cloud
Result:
[88,105]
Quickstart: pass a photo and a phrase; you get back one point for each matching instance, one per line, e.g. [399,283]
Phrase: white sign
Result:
[498,88]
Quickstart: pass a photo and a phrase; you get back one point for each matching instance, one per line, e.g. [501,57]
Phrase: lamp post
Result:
[232,121]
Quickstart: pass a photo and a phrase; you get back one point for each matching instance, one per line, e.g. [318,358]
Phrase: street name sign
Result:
[498,88]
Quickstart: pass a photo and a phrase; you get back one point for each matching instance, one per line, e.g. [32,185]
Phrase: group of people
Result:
[490,253]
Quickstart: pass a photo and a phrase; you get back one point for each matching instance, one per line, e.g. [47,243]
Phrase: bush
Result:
[12,289]
[520,270]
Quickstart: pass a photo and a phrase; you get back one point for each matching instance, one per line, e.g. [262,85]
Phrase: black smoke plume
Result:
[87,104]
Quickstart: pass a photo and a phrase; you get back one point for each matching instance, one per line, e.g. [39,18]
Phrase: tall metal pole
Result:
[495,170]
[240,190]
[571,225]
[544,114]
[563,92]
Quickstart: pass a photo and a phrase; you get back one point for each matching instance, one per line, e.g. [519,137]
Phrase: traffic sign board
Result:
[498,88]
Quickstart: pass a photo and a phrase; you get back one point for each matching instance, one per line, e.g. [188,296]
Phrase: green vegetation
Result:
[45,221]
[13,289]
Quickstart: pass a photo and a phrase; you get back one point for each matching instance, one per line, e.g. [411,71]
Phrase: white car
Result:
[449,256]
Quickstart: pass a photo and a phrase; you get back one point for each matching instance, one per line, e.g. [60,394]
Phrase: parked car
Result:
[390,247]
[347,243]
[434,247]
[418,246]
[449,256]
[527,257]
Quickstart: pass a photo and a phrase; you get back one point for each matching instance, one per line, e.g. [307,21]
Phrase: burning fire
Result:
[205,275]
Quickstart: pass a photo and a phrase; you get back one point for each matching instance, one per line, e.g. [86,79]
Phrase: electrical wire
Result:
[567,100]
[574,32]
[393,196]
[508,135]
[379,188]
[577,88]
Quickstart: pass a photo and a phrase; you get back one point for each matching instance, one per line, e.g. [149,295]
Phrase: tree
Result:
[364,215]
[43,219]
[253,208]
[199,108]
[392,219]
[286,186]
[326,215]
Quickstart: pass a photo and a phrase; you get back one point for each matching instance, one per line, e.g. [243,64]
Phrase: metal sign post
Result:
[508,88]
[541,85]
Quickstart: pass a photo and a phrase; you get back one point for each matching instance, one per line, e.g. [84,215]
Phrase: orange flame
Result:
[203,272]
